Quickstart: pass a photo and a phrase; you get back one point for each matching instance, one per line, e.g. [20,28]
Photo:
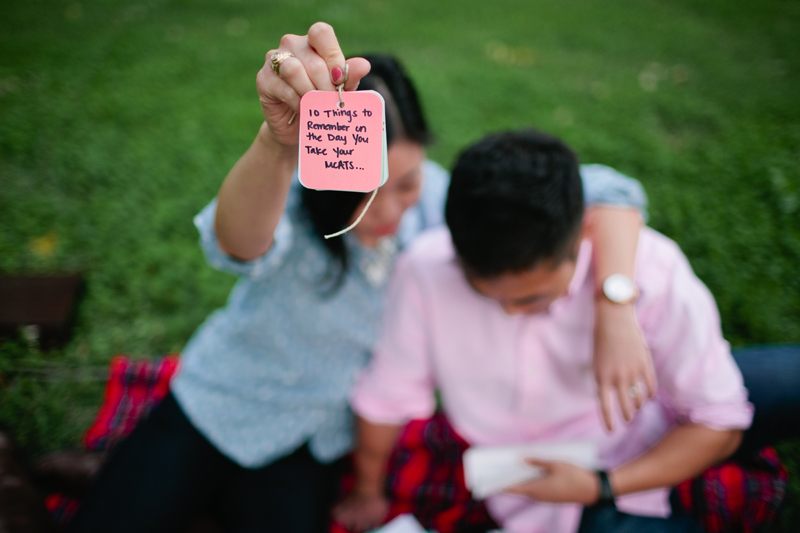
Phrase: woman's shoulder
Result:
[428,212]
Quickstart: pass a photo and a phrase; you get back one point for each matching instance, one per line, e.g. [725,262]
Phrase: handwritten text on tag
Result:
[342,148]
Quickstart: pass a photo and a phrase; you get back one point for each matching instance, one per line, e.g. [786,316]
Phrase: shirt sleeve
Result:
[434,194]
[697,376]
[398,384]
[603,185]
[258,267]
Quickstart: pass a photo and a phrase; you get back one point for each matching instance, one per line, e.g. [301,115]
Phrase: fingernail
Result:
[336,75]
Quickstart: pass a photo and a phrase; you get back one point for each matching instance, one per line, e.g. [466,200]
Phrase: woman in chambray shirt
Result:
[258,414]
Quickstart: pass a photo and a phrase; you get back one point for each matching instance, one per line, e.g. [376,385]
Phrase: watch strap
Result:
[606,497]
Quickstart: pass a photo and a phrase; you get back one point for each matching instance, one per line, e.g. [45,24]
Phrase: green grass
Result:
[118,123]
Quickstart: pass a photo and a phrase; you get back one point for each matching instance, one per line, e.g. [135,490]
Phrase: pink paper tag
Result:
[342,149]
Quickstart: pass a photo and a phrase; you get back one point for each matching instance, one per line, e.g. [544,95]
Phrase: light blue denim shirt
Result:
[273,368]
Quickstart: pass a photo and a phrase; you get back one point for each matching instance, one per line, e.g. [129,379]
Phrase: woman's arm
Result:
[622,361]
[253,196]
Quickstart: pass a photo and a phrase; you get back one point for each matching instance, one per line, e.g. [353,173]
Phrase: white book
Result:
[405,523]
[492,469]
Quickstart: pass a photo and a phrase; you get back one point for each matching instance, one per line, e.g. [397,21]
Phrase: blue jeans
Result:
[603,519]
[772,377]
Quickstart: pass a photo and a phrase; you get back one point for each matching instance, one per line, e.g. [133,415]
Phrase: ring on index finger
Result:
[634,391]
[278,58]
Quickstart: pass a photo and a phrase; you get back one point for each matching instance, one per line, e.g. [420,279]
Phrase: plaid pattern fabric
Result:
[737,497]
[427,479]
[426,473]
[61,508]
[134,387]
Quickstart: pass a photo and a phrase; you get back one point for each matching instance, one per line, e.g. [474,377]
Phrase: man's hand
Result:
[361,512]
[622,362]
[562,483]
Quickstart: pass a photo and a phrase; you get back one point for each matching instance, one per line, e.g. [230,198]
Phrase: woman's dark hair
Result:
[515,199]
[330,211]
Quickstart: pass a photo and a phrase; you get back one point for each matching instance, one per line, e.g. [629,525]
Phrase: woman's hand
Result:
[361,512]
[561,483]
[317,63]
[622,362]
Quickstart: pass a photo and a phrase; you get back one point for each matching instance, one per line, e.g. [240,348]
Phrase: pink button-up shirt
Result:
[515,379]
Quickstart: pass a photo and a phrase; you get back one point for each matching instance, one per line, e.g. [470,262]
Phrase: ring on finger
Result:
[634,391]
[278,58]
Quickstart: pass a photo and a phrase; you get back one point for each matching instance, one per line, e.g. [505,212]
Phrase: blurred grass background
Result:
[119,121]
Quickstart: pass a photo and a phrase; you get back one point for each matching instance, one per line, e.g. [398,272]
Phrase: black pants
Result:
[165,474]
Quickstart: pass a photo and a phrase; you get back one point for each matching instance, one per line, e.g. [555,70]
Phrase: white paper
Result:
[405,523]
[491,469]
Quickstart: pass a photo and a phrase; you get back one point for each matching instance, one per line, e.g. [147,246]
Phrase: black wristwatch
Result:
[606,497]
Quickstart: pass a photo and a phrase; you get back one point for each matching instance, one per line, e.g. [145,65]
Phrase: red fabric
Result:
[61,508]
[426,478]
[134,387]
[737,497]
[426,474]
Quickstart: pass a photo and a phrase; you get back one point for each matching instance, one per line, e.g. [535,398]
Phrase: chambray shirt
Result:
[273,368]
[528,378]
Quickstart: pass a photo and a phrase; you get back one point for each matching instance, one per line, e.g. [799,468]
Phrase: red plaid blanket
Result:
[426,478]
[741,497]
[426,474]
[134,387]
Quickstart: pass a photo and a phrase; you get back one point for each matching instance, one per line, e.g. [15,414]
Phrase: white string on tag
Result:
[354,224]
[340,87]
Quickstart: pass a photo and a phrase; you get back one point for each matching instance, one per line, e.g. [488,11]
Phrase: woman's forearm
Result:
[253,197]
[622,364]
[614,232]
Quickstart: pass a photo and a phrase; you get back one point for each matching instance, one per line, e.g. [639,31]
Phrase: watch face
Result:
[619,288]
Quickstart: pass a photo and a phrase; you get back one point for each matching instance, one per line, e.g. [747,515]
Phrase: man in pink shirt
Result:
[497,314]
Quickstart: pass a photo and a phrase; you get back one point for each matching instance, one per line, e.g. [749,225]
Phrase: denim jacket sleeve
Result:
[603,185]
[258,267]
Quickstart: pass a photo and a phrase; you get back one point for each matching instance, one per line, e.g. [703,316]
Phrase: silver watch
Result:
[620,289]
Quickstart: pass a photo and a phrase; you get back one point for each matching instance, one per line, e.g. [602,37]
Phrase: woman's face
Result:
[399,193]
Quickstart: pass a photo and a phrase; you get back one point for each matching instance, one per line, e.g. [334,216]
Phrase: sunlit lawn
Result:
[119,121]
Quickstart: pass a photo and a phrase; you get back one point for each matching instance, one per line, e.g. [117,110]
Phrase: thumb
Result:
[540,463]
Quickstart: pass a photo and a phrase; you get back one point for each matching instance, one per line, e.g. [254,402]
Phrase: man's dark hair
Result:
[515,199]
[330,211]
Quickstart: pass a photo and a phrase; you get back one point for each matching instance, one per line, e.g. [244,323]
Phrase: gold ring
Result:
[278,58]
